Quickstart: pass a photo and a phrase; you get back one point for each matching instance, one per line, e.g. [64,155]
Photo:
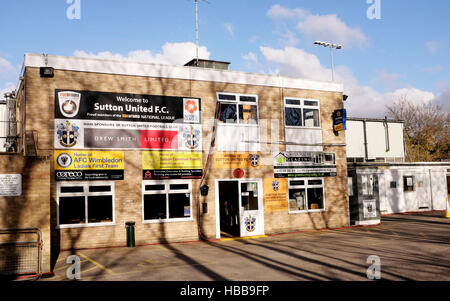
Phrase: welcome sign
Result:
[103,120]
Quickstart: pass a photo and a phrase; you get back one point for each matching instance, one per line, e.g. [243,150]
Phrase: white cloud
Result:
[171,53]
[6,68]
[432,46]
[229,29]
[278,12]
[330,28]
[363,101]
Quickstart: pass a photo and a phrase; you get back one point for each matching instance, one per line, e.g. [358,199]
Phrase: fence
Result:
[20,252]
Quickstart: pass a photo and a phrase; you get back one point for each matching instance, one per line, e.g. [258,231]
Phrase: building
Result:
[375,140]
[379,177]
[184,152]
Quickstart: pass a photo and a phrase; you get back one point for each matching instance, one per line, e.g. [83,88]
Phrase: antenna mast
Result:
[196,29]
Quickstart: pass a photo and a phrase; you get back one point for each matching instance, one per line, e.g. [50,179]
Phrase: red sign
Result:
[151,139]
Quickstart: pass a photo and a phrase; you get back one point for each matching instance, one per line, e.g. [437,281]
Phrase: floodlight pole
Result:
[331,45]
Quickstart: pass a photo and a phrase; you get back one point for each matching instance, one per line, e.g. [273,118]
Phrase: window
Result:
[167,201]
[85,204]
[408,183]
[237,108]
[301,112]
[367,183]
[306,195]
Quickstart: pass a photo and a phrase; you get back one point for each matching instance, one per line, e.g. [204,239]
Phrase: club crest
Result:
[64,160]
[250,223]
[191,137]
[276,185]
[67,134]
[254,159]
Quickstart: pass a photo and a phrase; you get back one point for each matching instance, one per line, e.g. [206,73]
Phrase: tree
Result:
[427,129]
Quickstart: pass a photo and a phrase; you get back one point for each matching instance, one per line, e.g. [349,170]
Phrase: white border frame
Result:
[306,186]
[85,193]
[301,106]
[167,191]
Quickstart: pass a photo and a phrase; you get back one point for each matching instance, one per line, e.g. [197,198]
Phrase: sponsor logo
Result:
[69,103]
[64,160]
[191,137]
[250,223]
[254,159]
[276,185]
[69,175]
[191,110]
[148,175]
[67,134]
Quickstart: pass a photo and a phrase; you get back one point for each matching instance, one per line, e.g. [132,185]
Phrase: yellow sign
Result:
[275,195]
[164,160]
[88,160]
[243,160]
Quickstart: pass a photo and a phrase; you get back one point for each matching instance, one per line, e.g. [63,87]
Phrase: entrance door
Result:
[241,208]
[422,191]
[251,210]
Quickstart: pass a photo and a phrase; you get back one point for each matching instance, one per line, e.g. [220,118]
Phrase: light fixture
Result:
[331,46]
[47,72]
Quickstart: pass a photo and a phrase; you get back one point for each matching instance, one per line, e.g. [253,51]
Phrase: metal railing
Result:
[20,256]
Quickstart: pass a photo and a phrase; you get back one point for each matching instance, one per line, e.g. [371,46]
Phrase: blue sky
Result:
[405,53]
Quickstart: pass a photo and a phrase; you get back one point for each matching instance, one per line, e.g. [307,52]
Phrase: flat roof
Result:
[374,120]
[121,67]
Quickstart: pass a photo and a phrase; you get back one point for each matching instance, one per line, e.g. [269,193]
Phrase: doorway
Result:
[241,208]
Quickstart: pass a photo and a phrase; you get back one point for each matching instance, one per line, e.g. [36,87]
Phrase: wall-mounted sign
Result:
[172,165]
[304,164]
[340,120]
[242,160]
[370,208]
[100,120]
[89,165]
[275,195]
[10,185]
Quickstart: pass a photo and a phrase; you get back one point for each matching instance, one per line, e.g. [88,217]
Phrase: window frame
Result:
[167,191]
[238,102]
[413,183]
[85,194]
[305,186]
[301,106]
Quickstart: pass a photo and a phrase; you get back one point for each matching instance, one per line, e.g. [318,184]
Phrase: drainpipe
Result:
[386,126]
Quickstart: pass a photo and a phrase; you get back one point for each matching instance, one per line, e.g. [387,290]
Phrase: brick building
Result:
[104,142]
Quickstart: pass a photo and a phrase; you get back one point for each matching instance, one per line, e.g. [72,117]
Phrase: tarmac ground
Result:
[403,247]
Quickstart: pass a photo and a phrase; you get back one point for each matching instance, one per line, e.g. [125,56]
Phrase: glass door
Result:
[251,208]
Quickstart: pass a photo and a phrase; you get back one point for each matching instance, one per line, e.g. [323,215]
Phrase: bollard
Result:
[130,234]
[447,211]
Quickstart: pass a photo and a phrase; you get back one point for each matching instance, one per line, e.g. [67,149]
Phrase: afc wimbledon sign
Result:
[100,120]
[304,164]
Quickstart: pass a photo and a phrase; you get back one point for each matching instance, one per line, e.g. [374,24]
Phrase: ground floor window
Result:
[85,203]
[167,200]
[306,195]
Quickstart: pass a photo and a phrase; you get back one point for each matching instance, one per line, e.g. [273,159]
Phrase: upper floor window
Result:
[237,108]
[302,112]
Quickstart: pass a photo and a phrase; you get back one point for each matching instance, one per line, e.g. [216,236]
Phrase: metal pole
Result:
[196,29]
[332,63]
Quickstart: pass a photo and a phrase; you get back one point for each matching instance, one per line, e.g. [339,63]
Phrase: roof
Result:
[121,67]
[374,120]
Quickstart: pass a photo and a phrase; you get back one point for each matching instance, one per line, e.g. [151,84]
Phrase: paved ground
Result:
[410,247]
